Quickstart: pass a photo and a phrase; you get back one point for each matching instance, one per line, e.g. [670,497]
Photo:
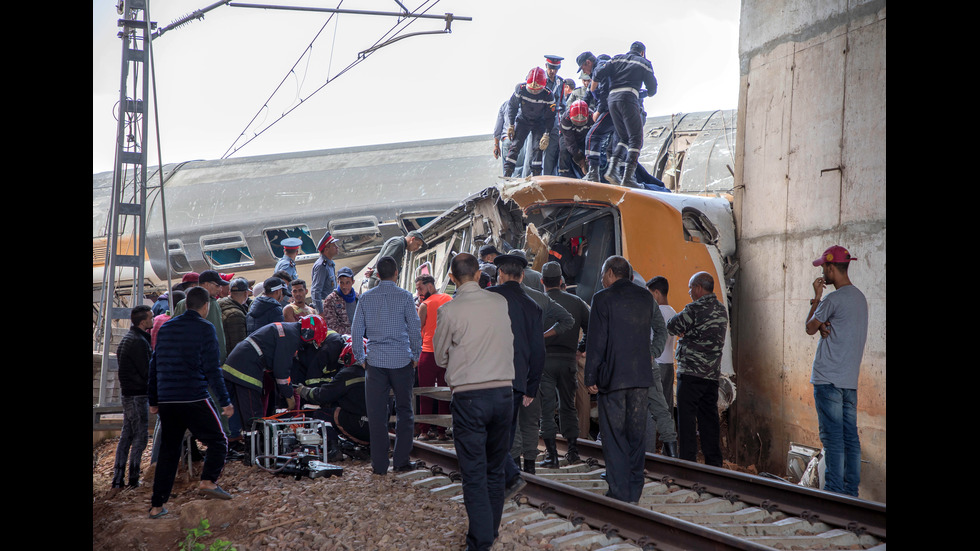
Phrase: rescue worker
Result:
[290,250]
[269,348]
[575,126]
[624,75]
[602,128]
[341,403]
[531,112]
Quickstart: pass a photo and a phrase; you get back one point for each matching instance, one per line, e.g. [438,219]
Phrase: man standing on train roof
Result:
[532,111]
[602,127]
[395,247]
[624,74]
[324,271]
[842,320]
[557,85]
[290,250]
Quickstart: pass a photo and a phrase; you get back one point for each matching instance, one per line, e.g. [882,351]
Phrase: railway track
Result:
[684,506]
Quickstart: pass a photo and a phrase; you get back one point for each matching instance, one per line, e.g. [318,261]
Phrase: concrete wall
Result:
[810,174]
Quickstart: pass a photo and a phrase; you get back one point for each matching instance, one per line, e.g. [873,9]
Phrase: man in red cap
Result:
[841,318]
[324,271]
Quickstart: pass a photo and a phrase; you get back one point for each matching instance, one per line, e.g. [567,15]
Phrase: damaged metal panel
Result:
[691,152]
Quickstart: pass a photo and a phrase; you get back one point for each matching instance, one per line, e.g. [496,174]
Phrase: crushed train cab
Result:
[668,234]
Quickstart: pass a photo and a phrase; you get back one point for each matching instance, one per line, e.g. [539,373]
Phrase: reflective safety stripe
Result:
[282,381]
[239,375]
[279,327]
[627,89]
[255,346]
[354,381]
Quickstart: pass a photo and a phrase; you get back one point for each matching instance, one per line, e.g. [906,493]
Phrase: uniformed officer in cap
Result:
[324,271]
[557,84]
[290,249]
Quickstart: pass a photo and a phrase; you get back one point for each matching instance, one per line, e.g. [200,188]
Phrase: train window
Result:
[226,251]
[178,259]
[697,227]
[591,228]
[416,220]
[274,237]
[358,234]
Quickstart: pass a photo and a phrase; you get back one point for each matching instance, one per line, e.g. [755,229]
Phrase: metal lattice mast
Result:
[127,216]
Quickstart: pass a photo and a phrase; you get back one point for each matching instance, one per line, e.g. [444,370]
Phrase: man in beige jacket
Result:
[473,341]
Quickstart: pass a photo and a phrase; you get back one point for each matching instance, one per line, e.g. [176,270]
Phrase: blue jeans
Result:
[837,417]
[481,434]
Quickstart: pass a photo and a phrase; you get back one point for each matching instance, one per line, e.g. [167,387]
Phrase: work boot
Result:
[528,465]
[572,454]
[629,176]
[612,173]
[593,174]
[550,454]
[670,449]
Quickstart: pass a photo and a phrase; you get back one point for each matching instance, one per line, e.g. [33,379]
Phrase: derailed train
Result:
[231,215]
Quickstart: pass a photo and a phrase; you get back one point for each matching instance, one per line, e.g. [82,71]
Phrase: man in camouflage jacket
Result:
[702,326]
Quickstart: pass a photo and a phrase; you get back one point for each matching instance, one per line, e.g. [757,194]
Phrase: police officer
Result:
[602,127]
[624,74]
[575,126]
[557,85]
[290,249]
[531,111]
[324,275]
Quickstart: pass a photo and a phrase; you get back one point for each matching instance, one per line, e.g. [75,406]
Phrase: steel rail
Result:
[857,515]
[610,516]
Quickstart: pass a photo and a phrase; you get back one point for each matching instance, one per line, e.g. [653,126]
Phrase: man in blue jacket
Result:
[617,368]
[183,365]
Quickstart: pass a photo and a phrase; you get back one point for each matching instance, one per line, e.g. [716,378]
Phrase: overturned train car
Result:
[231,215]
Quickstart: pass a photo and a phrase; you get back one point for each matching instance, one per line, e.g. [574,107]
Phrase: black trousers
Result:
[697,419]
[627,118]
[203,420]
[521,129]
[622,422]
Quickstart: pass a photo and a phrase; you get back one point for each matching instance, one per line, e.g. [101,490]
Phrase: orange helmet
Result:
[536,79]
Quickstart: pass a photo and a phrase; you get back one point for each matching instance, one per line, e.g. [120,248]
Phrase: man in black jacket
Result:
[617,368]
[133,356]
[527,327]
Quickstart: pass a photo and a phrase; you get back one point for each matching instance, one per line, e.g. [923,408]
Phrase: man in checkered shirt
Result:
[387,317]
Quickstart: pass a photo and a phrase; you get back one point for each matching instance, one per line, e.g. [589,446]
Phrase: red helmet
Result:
[579,112]
[536,79]
[313,329]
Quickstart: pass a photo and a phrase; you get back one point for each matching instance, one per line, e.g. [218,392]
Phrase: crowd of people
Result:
[552,126]
[519,353]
